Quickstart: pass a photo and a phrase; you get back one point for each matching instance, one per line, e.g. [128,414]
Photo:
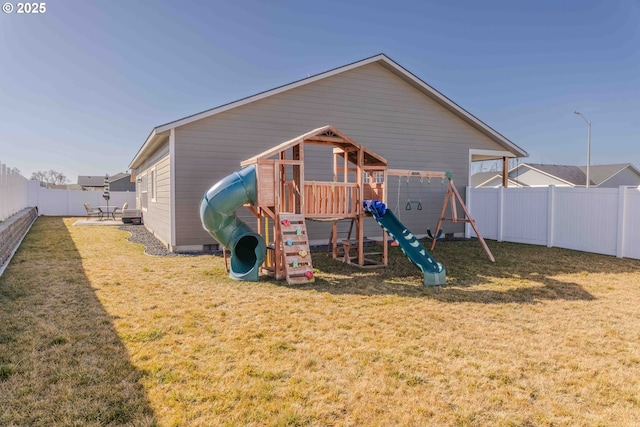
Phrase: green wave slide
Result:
[433,272]
[218,215]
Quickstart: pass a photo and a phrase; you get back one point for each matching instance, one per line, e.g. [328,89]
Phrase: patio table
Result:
[109,211]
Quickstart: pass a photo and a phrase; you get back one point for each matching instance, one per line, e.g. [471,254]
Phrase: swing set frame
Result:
[451,197]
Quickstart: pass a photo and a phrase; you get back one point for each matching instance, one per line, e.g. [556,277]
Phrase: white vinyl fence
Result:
[71,202]
[13,192]
[19,197]
[599,220]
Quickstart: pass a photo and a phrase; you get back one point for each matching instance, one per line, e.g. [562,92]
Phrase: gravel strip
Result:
[153,246]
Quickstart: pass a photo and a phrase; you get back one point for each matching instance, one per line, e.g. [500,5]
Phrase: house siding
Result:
[369,104]
[157,215]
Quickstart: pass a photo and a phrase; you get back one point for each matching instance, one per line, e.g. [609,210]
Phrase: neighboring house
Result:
[91,183]
[602,176]
[118,182]
[491,180]
[121,182]
[376,102]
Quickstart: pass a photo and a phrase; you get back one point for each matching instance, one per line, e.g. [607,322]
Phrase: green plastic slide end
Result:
[218,215]
[435,278]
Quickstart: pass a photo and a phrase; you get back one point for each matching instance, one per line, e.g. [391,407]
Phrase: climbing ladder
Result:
[295,248]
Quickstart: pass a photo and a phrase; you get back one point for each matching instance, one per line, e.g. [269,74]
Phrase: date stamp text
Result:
[25,8]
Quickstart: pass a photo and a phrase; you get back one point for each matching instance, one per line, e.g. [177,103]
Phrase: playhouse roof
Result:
[327,135]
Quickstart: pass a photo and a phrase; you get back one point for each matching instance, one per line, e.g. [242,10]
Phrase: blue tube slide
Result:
[218,215]
[433,272]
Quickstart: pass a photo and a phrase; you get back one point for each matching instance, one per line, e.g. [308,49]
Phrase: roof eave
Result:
[381,59]
[452,106]
[152,141]
[268,93]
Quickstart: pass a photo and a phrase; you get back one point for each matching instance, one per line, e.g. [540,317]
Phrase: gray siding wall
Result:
[157,216]
[369,104]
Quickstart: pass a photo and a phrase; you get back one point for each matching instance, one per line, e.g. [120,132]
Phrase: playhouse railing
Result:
[330,199]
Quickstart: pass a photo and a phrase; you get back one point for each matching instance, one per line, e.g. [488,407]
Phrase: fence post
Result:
[500,212]
[467,233]
[3,202]
[622,196]
[551,217]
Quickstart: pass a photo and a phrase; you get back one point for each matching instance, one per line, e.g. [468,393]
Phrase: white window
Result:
[377,177]
[153,184]
[144,191]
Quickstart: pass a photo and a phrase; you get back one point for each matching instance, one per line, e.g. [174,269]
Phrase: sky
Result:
[83,84]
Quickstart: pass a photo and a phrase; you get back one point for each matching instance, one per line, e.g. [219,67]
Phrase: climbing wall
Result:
[295,245]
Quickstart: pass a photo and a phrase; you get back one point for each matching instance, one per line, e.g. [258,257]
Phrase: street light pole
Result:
[588,144]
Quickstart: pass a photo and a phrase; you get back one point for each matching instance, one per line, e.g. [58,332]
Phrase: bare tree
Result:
[50,177]
[39,176]
[57,178]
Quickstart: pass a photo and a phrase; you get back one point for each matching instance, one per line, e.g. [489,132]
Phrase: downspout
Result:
[218,215]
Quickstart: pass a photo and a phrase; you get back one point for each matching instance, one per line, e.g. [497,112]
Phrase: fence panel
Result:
[71,202]
[599,220]
[13,191]
[483,205]
[631,221]
[52,202]
[524,218]
[586,219]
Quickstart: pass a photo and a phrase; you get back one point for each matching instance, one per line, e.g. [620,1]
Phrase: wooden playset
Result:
[284,200]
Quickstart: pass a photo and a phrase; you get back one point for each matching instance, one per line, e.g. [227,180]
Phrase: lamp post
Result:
[588,144]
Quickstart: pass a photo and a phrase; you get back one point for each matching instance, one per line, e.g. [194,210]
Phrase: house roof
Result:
[160,133]
[577,175]
[484,179]
[91,181]
[598,174]
[480,178]
[98,180]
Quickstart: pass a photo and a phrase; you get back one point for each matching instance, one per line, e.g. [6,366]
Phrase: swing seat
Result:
[409,202]
[431,235]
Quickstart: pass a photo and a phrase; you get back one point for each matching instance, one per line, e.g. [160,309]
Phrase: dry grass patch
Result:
[541,337]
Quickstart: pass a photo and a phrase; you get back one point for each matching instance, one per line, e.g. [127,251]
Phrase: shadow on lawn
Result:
[521,274]
[61,359]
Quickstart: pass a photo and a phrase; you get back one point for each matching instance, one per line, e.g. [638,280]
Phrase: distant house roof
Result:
[98,180]
[598,174]
[576,175]
[478,179]
[91,181]
[572,175]
[159,134]
[492,180]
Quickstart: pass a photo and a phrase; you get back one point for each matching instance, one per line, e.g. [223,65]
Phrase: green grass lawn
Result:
[94,332]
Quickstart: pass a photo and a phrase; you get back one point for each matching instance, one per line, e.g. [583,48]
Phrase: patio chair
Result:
[93,211]
[118,211]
